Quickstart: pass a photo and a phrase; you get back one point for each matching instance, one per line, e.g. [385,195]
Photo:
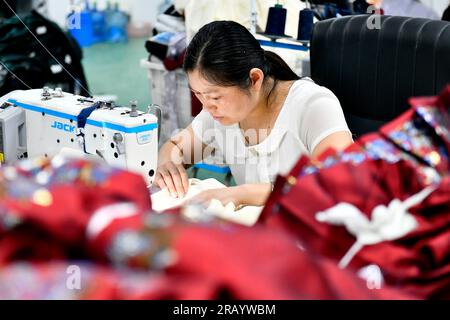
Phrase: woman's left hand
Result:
[224,195]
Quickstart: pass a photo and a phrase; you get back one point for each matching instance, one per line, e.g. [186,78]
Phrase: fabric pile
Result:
[384,202]
[80,230]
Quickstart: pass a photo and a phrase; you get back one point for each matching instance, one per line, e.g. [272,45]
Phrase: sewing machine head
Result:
[55,122]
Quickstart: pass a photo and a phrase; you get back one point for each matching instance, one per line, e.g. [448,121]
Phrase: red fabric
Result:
[173,63]
[404,262]
[221,260]
[28,244]
[214,261]
[99,245]
[50,231]
[270,270]
[429,142]
[73,205]
[419,263]
[441,104]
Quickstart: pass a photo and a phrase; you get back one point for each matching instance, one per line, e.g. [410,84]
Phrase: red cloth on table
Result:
[51,230]
[214,260]
[213,263]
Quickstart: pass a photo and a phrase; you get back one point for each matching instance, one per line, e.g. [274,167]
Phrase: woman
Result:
[256,112]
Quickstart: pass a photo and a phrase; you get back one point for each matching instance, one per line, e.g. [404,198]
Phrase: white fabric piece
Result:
[161,27]
[174,23]
[387,223]
[248,215]
[309,114]
[162,200]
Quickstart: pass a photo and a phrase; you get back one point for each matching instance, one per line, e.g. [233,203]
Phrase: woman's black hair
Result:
[224,52]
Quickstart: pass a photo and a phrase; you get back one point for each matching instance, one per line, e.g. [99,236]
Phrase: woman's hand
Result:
[224,195]
[246,194]
[173,177]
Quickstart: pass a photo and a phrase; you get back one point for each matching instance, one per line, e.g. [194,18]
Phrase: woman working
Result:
[256,112]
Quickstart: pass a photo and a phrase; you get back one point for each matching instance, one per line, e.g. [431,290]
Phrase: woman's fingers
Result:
[159,181]
[184,178]
[169,182]
[177,179]
[174,178]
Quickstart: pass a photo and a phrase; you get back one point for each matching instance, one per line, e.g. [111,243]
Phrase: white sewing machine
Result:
[44,123]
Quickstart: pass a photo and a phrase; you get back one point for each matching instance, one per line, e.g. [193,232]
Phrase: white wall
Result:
[438,5]
[140,10]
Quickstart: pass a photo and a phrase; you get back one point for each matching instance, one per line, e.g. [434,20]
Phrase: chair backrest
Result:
[373,72]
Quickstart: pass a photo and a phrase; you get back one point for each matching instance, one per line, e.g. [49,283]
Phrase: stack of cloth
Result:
[170,21]
[80,230]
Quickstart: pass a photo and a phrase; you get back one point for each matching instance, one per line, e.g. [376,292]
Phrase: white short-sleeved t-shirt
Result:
[309,114]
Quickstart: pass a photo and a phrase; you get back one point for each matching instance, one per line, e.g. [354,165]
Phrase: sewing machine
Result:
[45,123]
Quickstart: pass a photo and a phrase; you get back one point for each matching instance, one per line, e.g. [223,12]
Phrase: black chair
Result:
[373,72]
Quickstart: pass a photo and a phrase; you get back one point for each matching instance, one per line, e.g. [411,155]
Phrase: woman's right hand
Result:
[173,177]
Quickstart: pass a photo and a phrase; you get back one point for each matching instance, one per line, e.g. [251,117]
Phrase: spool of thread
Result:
[305,24]
[276,20]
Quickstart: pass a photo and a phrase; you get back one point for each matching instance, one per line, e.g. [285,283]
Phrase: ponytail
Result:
[277,68]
